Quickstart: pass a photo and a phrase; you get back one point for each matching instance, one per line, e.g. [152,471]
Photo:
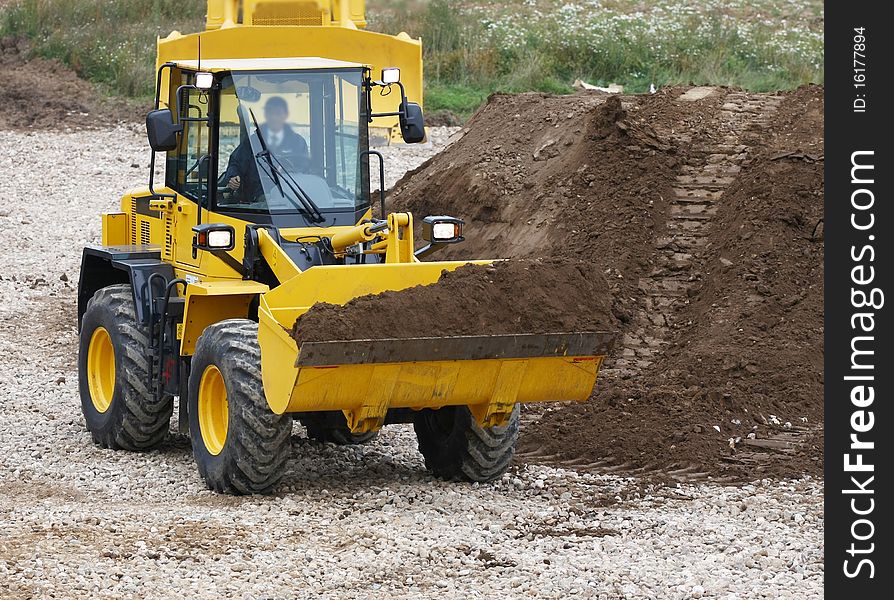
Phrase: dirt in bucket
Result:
[507,297]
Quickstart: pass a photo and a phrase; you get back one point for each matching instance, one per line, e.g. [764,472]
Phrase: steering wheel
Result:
[296,163]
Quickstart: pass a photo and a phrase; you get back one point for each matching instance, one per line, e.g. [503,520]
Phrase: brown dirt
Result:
[559,176]
[40,94]
[588,178]
[509,297]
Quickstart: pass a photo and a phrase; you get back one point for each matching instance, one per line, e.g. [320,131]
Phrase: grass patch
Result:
[545,45]
[473,48]
[111,43]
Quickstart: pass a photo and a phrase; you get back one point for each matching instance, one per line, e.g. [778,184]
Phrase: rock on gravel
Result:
[82,522]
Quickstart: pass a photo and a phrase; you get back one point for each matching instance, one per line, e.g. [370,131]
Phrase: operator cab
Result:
[281,141]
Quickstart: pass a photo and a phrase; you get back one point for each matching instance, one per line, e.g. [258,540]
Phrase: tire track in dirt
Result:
[711,169]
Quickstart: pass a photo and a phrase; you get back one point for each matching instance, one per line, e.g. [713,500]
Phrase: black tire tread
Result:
[469,452]
[140,422]
[258,440]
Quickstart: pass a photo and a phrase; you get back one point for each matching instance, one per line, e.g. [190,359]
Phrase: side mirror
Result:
[412,123]
[162,131]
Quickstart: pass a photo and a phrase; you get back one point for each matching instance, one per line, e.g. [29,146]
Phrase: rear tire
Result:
[332,427]
[113,375]
[456,447]
[240,445]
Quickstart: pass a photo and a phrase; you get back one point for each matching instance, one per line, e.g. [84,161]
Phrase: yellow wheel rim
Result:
[214,410]
[101,369]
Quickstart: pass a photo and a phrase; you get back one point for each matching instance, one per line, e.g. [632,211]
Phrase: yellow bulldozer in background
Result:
[266,209]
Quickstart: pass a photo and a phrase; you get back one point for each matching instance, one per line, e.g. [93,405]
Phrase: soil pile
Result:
[589,177]
[583,177]
[750,357]
[508,297]
[40,94]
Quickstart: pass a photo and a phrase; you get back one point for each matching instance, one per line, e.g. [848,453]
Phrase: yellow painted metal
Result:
[296,63]
[114,229]
[101,369]
[161,205]
[345,13]
[400,246]
[214,410]
[209,302]
[355,235]
[490,387]
[281,307]
[283,267]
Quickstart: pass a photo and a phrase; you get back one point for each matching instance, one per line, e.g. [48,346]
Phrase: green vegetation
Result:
[109,42]
[473,49]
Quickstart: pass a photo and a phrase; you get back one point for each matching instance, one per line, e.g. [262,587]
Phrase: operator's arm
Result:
[235,168]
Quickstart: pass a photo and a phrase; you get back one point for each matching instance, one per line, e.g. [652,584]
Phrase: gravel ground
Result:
[400,159]
[77,521]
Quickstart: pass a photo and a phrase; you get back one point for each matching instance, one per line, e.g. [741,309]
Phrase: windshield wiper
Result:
[265,153]
[309,205]
[306,203]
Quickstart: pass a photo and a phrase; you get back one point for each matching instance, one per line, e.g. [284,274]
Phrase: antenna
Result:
[199,67]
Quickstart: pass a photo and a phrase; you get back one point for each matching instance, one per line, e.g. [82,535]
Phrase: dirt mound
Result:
[44,94]
[522,296]
[735,340]
[557,176]
[750,359]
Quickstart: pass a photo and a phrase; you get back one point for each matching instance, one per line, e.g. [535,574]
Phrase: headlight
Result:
[204,81]
[442,230]
[221,238]
[214,236]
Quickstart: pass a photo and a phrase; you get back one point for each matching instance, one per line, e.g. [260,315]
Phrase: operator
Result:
[287,147]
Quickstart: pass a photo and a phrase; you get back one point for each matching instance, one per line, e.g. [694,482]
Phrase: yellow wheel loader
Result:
[266,209]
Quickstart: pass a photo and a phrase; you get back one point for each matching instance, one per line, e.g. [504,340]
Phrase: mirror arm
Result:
[430,248]
[370,84]
[167,65]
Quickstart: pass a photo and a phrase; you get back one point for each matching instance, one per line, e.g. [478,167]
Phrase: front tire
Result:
[456,447]
[240,445]
[120,409]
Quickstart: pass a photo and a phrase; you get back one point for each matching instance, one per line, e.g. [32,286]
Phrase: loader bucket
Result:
[364,378]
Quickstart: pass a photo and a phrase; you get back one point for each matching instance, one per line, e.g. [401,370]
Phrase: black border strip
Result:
[858,263]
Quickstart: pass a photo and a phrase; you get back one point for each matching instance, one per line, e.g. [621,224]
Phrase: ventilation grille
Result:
[133,221]
[169,238]
[144,232]
[291,13]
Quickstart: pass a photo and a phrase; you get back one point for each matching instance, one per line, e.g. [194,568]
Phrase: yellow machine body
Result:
[363,378]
